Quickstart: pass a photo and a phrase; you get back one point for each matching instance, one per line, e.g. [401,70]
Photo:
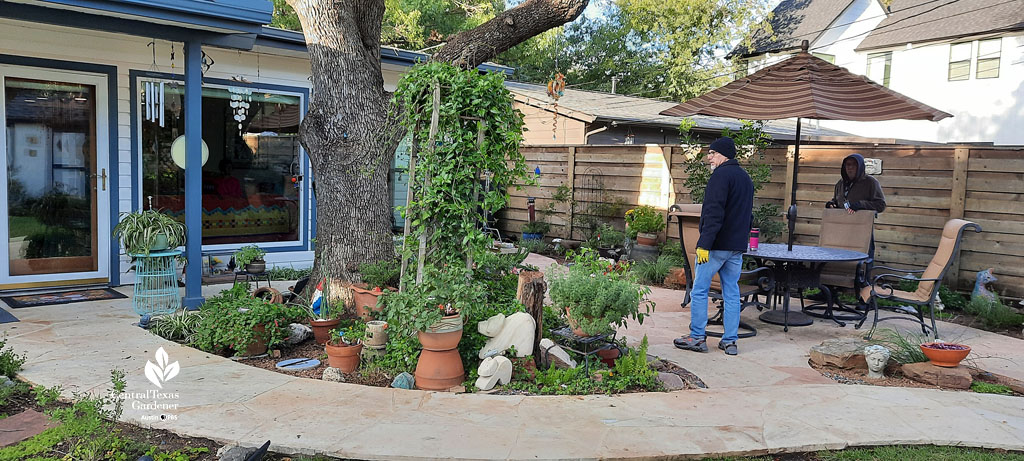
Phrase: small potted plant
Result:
[345,345]
[377,277]
[251,258]
[597,296]
[535,230]
[144,231]
[643,224]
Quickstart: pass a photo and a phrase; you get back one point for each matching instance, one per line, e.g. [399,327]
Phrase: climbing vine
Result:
[449,193]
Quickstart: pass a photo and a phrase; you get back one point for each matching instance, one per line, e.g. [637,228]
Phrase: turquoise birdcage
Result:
[156,283]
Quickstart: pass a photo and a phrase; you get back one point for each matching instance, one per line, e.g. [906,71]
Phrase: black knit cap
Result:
[724,146]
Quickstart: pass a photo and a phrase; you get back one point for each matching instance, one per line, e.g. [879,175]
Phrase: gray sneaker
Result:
[729,348]
[691,344]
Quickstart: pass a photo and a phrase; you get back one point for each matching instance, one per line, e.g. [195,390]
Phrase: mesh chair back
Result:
[943,255]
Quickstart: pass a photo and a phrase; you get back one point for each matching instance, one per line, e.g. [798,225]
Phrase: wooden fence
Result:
[924,187]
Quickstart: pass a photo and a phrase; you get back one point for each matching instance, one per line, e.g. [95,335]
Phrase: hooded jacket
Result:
[863,192]
[726,214]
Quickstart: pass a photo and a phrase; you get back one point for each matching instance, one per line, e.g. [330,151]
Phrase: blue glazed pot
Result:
[529,236]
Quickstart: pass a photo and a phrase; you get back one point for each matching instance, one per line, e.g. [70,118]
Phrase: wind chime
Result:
[153,94]
[240,99]
[556,88]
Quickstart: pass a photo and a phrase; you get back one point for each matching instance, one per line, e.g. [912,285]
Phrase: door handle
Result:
[102,177]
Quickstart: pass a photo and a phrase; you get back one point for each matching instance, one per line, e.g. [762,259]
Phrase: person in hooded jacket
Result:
[857,191]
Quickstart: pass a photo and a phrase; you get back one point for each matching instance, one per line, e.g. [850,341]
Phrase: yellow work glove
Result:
[702,255]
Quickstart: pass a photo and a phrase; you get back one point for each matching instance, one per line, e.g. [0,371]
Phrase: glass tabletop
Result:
[780,252]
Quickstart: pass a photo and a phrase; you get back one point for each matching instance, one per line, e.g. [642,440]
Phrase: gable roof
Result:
[595,106]
[926,20]
[792,22]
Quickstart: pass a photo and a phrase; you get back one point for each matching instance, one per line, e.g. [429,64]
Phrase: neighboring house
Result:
[963,57]
[590,117]
[93,99]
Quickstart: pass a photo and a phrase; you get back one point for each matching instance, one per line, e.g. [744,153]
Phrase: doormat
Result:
[6,317]
[66,297]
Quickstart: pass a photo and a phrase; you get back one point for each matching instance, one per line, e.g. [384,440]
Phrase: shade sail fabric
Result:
[808,87]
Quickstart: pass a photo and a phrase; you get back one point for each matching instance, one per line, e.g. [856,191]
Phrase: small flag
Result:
[317,298]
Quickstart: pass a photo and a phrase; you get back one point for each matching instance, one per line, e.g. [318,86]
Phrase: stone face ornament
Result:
[877,357]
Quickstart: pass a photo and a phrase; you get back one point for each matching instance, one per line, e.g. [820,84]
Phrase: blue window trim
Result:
[113,156]
[243,16]
[135,74]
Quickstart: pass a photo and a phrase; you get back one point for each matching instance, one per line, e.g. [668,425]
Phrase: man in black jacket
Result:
[857,191]
[724,231]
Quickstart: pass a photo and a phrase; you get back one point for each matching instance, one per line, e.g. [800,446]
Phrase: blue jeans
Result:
[727,264]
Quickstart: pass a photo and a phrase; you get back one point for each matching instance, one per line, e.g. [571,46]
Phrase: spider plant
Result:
[139,232]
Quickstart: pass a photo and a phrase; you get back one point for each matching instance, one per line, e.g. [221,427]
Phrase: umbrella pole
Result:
[791,214]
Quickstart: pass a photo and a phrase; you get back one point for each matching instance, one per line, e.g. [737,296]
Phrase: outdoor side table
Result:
[249,276]
[589,344]
[797,269]
[156,283]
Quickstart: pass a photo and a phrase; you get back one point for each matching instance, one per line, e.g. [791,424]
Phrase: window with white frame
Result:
[988,58]
[879,67]
[831,58]
[959,61]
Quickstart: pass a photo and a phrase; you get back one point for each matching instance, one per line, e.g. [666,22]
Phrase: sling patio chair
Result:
[752,283]
[927,292]
[849,231]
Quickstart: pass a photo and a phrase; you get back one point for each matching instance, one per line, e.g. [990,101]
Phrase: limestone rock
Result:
[298,333]
[676,278]
[515,330]
[671,381]
[235,453]
[846,353]
[333,375]
[404,380]
[950,378]
[494,371]
[556,355]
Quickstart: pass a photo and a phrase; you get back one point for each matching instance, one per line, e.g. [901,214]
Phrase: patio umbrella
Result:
[805,86]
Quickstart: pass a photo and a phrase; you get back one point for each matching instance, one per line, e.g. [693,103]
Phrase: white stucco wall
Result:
[126,52]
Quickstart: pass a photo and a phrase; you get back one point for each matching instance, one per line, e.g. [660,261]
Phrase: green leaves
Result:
[138,231]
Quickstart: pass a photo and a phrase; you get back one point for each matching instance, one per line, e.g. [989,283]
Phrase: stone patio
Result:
[766,400]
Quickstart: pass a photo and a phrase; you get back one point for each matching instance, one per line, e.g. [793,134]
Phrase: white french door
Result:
[55,153]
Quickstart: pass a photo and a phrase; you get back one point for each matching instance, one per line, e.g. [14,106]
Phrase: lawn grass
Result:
[24,226]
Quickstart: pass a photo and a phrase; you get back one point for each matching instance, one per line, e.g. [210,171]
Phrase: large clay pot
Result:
[376,333]
[609,355]
[576,330]
[322,329]
[948,358]
[644,238]
[343,356]
[259,344]
[443,335]
[439,370]
[365,301]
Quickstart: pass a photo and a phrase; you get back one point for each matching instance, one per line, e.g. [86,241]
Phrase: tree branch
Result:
[471,48]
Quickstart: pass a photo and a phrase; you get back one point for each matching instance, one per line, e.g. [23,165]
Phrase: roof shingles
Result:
[915,21]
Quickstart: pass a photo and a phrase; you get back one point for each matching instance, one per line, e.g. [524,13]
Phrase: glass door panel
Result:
[52,177]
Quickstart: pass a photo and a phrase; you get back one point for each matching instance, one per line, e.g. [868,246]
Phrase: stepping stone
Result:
[22,426]
[950,378]
[845,353]
[671,381]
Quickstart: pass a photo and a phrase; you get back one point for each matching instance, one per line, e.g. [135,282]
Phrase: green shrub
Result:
[989,388]
[10,361]
[288,273]
[536,227]
[533,246]
[644,219]
[229,321]
[952,299]
[598,296]
[604,236]
[381,273]
[994,314]
[654,272]
[768,221]
[248,254]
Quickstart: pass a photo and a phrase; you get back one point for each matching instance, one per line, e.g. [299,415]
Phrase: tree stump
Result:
[531,292]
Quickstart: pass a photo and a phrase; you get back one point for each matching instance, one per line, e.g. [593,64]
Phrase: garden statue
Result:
[515,330]
[494,371]
[877,357]
[297,333]
[981,288]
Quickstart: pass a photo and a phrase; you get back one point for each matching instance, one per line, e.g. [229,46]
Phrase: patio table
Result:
[797,269]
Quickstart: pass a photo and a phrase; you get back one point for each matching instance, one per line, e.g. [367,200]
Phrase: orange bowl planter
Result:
[946,355]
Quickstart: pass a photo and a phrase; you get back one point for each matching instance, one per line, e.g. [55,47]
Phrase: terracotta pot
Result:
[269,294]
[609,355]
[643,238]
[440,341]
[528,363]
[576,330]
[256,267]
[259,344]
[439,370]
[943,357]
[376,333]
[342,356]
[365,301]
[322,329]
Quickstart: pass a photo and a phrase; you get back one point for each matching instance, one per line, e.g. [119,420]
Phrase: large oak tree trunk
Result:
[349,133]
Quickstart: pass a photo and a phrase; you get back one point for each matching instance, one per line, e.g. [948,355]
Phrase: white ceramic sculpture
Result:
[494,371]
[877,357]
[515,330]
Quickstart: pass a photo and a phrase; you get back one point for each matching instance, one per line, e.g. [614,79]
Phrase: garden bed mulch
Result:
[310,349]
[894,378]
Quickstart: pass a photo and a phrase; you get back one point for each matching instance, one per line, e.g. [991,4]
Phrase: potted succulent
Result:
[945,354]
[597,296]
[251,258]
[345,345]
[377,277]
[535,230]
[643,224]
[144,231]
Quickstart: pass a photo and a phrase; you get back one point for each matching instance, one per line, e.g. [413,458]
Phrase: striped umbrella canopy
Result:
[805,86]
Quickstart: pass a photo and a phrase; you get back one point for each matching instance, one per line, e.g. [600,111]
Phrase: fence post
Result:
[571,173]
[958,199]
[790,153]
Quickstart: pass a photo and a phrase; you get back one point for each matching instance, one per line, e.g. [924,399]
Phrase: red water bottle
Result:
[754,235]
